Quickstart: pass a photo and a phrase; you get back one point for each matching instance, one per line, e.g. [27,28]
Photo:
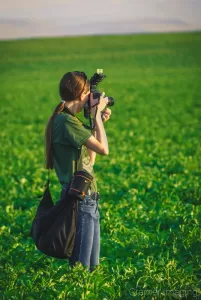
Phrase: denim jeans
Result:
[87,240]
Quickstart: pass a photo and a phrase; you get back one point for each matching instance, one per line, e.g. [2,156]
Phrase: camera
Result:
[94,81]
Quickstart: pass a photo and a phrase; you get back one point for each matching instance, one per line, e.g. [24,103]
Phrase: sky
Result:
[22,18]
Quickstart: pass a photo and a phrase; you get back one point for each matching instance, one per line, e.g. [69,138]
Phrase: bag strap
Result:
[48,178]
[48,175]
[76,164]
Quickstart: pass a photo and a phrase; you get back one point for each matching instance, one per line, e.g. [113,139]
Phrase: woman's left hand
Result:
[105,115]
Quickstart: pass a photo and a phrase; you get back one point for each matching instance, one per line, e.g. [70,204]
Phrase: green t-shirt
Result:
[68,150]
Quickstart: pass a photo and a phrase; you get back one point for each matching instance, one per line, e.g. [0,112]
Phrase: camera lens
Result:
[110,101]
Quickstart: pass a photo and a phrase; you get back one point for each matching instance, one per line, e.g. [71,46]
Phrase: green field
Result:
[150,183]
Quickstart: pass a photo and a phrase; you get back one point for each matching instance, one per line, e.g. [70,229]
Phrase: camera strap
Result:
[92,121]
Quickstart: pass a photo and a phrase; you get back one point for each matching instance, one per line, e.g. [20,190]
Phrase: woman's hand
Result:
[99,107]
[105,115]
[102,102]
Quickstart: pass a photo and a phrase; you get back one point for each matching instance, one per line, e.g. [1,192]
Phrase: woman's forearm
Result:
[100,134]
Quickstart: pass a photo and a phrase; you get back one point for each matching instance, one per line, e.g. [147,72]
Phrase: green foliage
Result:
[149,184]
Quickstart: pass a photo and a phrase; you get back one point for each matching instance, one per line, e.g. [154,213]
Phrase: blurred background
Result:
[22,19]
[150,184]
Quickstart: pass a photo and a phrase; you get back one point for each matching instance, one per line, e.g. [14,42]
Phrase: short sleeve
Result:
[74,132]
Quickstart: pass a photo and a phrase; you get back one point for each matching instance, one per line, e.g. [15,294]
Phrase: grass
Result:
[149,184]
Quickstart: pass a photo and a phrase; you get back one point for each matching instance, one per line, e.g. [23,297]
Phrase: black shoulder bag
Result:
[54,226]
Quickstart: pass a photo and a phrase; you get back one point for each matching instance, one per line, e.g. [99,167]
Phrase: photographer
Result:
[71,147]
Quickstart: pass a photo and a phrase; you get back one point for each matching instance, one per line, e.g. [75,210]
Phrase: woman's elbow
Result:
[105,152]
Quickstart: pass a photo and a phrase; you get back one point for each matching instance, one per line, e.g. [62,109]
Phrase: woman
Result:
[71,147]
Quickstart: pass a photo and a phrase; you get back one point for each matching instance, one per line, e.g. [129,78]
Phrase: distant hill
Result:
[24,28]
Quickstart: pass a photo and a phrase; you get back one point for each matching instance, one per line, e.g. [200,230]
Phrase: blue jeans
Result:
[87,240]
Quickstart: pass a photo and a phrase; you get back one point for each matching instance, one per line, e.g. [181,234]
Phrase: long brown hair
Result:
[71,86]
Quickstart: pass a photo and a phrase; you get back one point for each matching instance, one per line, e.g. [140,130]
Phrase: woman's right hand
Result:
[102,103]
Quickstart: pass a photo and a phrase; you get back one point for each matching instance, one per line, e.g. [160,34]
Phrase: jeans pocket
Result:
[90,211]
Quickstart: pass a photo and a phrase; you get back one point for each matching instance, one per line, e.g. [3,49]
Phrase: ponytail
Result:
[48,136]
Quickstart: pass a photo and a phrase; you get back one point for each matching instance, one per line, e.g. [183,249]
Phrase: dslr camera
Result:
[94,81]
